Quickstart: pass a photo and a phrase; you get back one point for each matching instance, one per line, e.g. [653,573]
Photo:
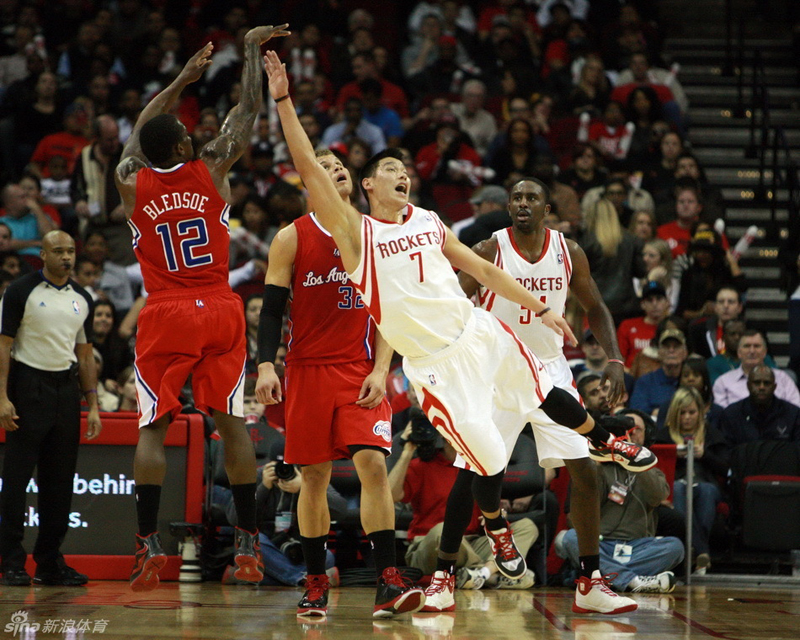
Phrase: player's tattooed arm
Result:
[128,167]
[227,148]
[164,101]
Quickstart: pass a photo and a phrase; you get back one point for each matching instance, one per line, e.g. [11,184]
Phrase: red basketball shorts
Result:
[198,331]
[322,417]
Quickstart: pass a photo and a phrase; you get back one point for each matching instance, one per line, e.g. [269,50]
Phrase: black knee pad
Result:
[563,408]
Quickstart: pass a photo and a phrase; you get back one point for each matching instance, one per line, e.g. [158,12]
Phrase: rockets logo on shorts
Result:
[383,429]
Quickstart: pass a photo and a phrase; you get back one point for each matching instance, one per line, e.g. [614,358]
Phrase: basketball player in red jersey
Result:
[335,402]
[551,265]
[193,323]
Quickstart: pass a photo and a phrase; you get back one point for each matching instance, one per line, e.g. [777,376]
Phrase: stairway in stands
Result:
[696,39]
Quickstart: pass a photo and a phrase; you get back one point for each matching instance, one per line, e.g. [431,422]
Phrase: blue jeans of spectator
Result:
[278,570]
[649,557]
[706,497]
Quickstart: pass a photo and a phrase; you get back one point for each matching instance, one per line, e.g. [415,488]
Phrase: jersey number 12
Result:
[192,235]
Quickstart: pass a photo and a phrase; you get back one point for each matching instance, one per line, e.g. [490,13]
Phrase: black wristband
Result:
[270,322]
[542,312]
[282,98]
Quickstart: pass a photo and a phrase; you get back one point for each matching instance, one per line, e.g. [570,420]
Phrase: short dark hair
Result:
[159,136]
[584,381]
[371,166]
[81,259]
[544,187]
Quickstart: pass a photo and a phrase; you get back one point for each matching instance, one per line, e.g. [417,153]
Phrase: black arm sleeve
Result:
[271,321]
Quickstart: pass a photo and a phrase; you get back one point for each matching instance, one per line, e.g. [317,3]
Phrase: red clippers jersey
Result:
[328,322]
[180,228]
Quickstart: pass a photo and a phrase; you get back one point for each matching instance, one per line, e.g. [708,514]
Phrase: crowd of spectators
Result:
[479,94]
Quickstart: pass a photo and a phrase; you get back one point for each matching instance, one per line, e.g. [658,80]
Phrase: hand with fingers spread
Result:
[276,73]
[197,64]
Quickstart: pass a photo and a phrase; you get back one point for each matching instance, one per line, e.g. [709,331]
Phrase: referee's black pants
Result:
[48,406]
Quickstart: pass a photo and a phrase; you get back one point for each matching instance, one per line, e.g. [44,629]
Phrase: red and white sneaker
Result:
[631,456]
[439,595]
[593,595]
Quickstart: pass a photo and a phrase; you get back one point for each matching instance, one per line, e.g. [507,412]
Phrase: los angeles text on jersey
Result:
[408,243]
[542,284]
[176,200]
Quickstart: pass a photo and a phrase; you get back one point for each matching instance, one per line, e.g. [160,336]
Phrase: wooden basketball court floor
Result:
[221,612]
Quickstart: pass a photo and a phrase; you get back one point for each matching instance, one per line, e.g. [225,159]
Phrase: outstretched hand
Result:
[559,325]
[276,73]
[197,64]
[261,34]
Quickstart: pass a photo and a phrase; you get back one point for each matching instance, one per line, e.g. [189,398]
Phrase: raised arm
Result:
[132,157]
[338,217]
[220,154]
[485,272]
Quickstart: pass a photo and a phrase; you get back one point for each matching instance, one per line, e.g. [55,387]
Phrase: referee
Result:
[45,360]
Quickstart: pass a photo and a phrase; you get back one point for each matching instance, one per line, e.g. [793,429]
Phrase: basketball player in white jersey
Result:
[549,265]
[462,361]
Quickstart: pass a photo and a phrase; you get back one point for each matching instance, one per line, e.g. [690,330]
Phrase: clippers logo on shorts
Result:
[200,304]
[383,429]
[76,307]
[432,379]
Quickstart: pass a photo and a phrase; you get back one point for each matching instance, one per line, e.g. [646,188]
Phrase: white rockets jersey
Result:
[548,279]
[408,285]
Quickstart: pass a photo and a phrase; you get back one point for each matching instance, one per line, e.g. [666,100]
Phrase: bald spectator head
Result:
[106,134]
[14,201]
[761,385]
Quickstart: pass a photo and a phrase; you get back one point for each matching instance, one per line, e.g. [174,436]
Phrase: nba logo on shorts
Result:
[200,303]
[560,258]
[383,429]
[432,379]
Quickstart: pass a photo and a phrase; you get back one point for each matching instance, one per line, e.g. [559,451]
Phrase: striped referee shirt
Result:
[46,321]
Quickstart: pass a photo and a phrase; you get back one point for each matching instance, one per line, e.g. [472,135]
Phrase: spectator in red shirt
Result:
[688,206]
[634,334]
[432,159]
[364,66]
[67,143]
